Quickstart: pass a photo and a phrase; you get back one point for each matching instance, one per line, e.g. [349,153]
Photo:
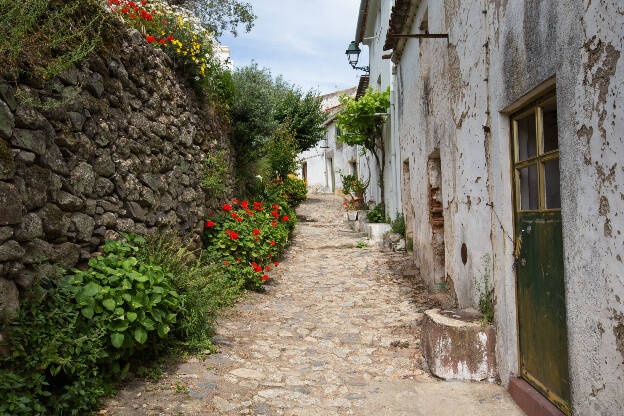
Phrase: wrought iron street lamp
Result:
[353,54]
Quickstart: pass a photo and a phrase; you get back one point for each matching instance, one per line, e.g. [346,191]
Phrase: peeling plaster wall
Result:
[580,44]
[380,79]
[444,116]
[443,102]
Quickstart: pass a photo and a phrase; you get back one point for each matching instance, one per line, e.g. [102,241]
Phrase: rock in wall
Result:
[122,153]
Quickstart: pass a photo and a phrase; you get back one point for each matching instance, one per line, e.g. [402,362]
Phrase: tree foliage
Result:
[281,154]
[304,115]
[363,119]
[222,15]
[358,118]
[264,107]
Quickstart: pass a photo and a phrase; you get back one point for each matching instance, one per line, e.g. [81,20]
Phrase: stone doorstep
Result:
[530,400]
[457,346]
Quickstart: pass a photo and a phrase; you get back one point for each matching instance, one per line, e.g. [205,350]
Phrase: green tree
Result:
[304,115]
[253,120]
[221,15]
[281,153]
[364,119]
[261,108]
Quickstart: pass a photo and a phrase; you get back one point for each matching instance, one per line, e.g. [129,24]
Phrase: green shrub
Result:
[52,368]
[291,190]
[215,174]
[375,215]
[281,154]
[131,301]
[42,38]
[202,283]
[248,238]
[398,225]
[351,183]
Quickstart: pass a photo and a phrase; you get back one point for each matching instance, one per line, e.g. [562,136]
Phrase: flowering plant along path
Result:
[336,333]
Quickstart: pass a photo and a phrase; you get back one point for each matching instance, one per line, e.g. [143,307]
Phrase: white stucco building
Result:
[506,131]
[321,165]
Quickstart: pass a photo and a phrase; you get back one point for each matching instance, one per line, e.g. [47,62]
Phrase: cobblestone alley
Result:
[336,333]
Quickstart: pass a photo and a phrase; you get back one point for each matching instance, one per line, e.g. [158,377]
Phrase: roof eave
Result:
[361,24]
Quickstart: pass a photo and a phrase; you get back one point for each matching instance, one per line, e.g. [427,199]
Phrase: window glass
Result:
[549,117]
[529,199]
[551,184]
[527,144]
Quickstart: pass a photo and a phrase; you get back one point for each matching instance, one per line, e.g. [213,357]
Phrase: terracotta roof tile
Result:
[398,19]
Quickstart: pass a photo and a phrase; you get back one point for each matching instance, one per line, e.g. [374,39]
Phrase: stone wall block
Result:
[30,228]
[37,183]
[6,94]
[38,251]
[67,254]
[33,140]
[7,121]
[69,202]
[9,297]
[11,250]
[55,222]
[7,162]
[83,179]
[5,233]
[29,118]
[10,204]
[104,166]
[53,159]
[103,187]
[84,226]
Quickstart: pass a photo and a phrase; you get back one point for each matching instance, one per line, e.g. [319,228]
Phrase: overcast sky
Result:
[303,40]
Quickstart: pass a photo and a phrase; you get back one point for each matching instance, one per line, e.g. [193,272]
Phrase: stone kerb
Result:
[456,346]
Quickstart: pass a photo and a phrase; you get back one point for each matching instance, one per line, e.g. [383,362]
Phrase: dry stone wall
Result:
[124,154]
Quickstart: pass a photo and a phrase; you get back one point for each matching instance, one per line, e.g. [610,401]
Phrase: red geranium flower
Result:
[170,37]
[275,214]
[239,219]
[244,204]
[125,10]
[258,204]
[233,235]
[162,41]
[276,264]
[164,22]
[234,215]
[272,243]
[226,262]
[235,201]
[150,39]
[226,207]
[274,223]
[267,268]
[256,232]
[209,224]
[275,207]
[265,277]
[285,218]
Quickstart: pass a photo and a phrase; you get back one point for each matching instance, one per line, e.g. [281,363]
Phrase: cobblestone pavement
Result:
[336,333]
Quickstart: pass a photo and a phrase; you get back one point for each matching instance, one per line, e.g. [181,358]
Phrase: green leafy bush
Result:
[292,190]
[281,154]
[204,286]
[351,183]
[215,173]
[52,368]
[131,300]
[375,215]
[247,237]
[398,225]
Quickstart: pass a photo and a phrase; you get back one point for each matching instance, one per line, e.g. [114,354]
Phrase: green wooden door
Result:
[542,328]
